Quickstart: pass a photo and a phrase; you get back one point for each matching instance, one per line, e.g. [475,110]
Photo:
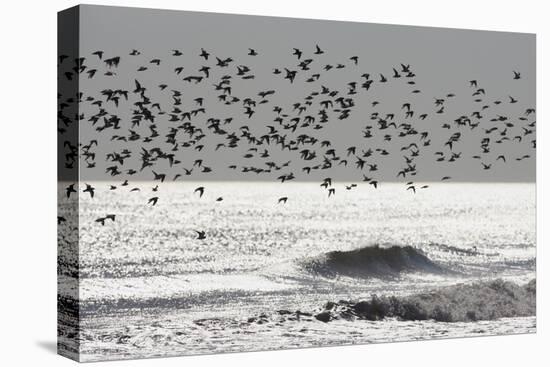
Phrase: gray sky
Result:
[443,60]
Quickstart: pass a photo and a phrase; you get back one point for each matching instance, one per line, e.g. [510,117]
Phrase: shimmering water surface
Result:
[149,287]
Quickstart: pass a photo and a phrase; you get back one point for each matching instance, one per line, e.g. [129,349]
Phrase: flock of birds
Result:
[189,123]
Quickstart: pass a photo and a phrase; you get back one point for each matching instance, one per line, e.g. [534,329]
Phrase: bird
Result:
[290,75]
[159,176]
[153,200]
[90,190]
[98,54]
[201,235]
[70,189]
[297,52]
[204,54]
[112,62]
[101,221]
[200,190]
[282,200]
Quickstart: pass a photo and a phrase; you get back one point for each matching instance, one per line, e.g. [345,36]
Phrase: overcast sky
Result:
[443,60]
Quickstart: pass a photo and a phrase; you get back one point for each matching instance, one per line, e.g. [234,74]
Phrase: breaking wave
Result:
[489,300]
[373,261]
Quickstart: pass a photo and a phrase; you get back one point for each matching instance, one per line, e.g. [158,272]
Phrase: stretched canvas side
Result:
[68,164]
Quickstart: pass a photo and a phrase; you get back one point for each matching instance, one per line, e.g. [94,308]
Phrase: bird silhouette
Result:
[70,189]
[201,235]
[200,190]
[90,190]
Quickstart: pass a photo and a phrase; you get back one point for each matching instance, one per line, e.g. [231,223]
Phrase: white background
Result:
[28,181]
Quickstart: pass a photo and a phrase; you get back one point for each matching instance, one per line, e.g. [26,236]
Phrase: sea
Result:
[149,287]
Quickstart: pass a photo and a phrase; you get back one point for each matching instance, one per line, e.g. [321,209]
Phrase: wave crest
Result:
[373,261]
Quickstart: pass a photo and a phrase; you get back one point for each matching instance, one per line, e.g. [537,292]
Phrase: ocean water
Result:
[149,287]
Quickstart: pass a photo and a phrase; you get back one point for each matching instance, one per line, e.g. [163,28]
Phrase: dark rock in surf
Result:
[323,316]
[374,310]
[284,312]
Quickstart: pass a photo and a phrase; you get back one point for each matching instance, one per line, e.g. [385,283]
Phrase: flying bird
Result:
[200,190]
[70,189]
[101,221]
[90,190]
